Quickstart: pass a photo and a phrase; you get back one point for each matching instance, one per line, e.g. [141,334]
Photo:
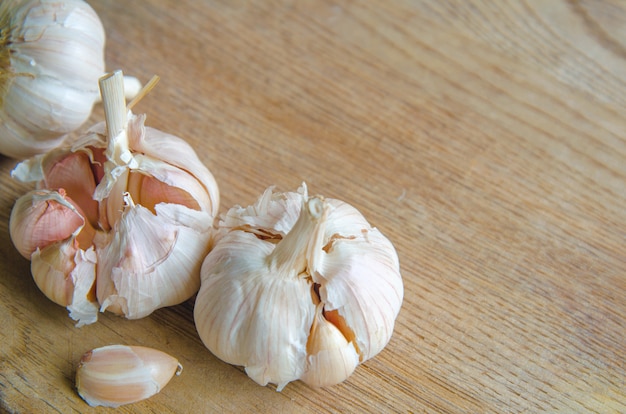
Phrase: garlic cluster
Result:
[298,287]
[116,375]
[51,56]
[120,221]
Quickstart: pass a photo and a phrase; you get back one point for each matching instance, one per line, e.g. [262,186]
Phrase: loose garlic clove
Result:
[139,198]
[275,266]
[115,375]
[51,56]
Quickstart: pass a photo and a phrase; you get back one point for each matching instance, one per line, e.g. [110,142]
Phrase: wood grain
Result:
[487,140]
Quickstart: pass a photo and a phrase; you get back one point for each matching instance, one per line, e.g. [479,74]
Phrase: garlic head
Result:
[116,375]
[298,287]
[134,202]
[51,56]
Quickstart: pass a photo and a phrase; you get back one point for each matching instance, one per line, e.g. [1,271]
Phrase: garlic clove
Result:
[141,260]
[361,272]
[42,217]
[331,358]
[67,275]
[115,375]
[72,172]
[156,182]
[174,151]
[84,306]
[51,269]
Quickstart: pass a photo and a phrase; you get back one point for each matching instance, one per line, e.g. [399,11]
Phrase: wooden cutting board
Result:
[486,139]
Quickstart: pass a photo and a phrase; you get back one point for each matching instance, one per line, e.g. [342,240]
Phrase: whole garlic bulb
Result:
[298,287]
[121,221]
[51,56]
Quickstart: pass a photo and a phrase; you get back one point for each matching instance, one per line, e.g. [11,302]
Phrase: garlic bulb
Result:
[298,287]
[51,56]
[121,221]
[115,375]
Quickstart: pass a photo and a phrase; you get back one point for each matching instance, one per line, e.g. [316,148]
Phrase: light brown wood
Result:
[486,139]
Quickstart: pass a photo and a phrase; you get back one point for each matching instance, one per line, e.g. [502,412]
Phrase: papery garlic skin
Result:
[51,56]
[140,201]
[142,260]
[116,375]
[298,287]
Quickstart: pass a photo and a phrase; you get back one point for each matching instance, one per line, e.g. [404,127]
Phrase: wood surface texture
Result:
[485,139]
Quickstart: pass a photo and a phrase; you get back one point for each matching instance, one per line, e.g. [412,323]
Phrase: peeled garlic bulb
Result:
[298,287]
[121,221]
[51,56]
[117,374]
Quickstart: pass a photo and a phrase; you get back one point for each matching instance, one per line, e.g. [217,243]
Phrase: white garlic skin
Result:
[330,308]
[116,375]
[51,56]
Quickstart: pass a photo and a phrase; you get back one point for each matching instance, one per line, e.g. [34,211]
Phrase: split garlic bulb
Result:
[51,56]
[121,221]
[298,287]
[116,375]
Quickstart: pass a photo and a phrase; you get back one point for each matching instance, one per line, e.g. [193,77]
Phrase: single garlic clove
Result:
[360,282]
[61,170]
[331,358]
[51,268]
[141,260]
[84,307]
[42,217]
[118,374]
[170,149]
[66,274]
[151,184]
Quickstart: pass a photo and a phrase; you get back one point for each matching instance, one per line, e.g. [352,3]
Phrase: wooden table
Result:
[486,139]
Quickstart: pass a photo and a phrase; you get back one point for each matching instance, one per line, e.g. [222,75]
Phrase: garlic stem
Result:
[132,87]
[295,250]
[112,90]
